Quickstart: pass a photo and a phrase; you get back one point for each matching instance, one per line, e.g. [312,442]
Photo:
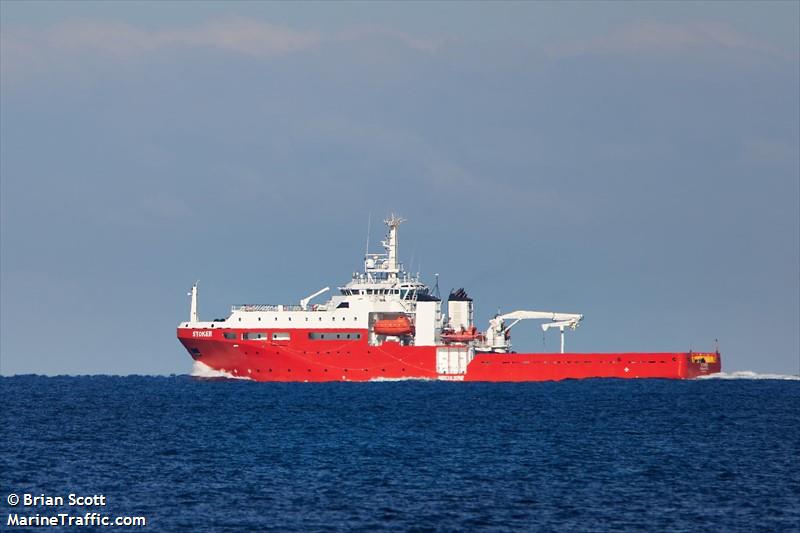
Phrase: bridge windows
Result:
[280,336]
[333,335]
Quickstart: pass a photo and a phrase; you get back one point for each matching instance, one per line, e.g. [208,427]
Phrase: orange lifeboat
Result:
[393,326]
[465,335]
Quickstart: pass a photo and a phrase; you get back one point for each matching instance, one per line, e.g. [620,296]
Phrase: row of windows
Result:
[319,336]
[404,293]
[255,336]
[320,319]
[354,292]
[284,336]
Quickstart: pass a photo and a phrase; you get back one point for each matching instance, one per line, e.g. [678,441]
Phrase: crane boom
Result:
[516,316]
[560,325]
[304,301]
[497,334]
[541,315]
[563,324]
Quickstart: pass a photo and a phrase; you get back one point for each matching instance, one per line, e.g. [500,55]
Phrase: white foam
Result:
[748,374]
[202,370]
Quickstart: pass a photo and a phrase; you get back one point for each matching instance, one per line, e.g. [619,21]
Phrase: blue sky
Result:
[635,162]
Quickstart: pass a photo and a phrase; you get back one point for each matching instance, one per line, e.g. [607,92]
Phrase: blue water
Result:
[193,454]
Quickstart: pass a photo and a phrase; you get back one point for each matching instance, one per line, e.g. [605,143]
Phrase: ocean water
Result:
[199,454]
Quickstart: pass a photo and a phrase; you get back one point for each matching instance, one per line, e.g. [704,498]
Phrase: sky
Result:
[634,162]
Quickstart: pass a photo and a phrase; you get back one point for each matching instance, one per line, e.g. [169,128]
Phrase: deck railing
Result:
[276,307]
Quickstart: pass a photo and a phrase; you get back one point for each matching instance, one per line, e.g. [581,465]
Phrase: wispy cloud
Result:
[414,42]
[662,37]
[246,36]
[25,50]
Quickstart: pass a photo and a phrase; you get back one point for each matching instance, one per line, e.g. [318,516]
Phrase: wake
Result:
[200,370]
[747,374]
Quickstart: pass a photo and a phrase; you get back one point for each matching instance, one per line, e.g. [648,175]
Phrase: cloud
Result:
[661,37]
[25,51]
[414,42]
[241,35]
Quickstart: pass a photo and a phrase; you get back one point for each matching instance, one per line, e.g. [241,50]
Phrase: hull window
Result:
[333,335]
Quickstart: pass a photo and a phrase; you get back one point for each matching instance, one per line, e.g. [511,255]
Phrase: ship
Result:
[386,324]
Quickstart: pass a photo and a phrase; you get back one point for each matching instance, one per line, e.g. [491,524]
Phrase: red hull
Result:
[305,359]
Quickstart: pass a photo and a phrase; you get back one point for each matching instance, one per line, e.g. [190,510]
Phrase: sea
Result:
[207,453]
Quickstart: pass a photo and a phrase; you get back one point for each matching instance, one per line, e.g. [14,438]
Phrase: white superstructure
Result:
[384,291]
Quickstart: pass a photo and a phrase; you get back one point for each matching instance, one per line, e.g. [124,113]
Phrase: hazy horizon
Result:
[634,162]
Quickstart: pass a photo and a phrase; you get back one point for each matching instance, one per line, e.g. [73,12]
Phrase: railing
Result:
[278,307]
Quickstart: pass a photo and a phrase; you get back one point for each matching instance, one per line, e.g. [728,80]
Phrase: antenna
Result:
[436,287]
[369,227]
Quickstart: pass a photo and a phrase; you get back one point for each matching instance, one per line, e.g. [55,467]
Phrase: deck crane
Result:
[572,324]
[304,301]
[497,334]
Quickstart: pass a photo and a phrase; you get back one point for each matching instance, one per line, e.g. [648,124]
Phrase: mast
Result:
[393,265]
[386,265]
[193,305]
